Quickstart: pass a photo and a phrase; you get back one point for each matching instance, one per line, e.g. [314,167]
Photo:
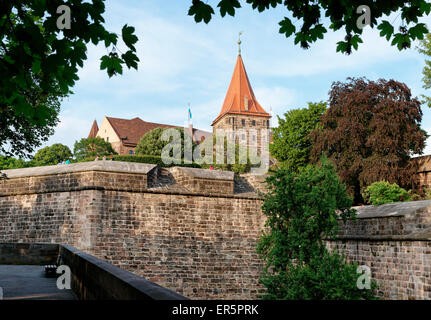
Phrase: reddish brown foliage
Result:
[369,132]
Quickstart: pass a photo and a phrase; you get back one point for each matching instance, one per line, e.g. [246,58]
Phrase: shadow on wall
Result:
[89,277]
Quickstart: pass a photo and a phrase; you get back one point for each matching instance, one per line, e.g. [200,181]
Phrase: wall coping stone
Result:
[206,174]
[102,165]
[118,283]
[398,209]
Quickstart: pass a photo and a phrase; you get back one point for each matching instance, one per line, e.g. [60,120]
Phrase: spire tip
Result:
[239,43]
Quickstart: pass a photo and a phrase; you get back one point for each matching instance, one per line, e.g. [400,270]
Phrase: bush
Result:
[154,160]
[236,168]
[426,194]
[301,209]
[144,159]
[325,277]
[7,163]
[382,192]
[243,162]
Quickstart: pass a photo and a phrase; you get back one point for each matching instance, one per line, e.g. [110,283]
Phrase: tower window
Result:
[131,152]
[107,139]
[253,123]
[243,137]
[243,122]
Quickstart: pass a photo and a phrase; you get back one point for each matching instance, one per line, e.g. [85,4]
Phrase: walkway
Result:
[30,283]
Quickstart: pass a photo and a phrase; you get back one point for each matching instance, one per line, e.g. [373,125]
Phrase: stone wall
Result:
[92,279]
[203,181]
[28,254]
[201,245]
[394,241]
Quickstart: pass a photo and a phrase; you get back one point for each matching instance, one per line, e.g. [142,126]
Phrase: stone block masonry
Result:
[199,244]
[197,241]
[394,241]
[205,181]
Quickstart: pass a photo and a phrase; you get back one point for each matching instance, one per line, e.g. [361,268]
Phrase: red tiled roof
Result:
[239,88]
[133,129]
[94,130]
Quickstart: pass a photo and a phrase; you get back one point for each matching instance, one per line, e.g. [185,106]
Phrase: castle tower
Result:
[241,112]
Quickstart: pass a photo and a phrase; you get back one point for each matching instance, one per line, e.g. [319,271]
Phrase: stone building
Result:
[241,115]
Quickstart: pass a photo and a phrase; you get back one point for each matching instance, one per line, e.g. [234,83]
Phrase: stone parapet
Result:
[107,175]
[394,241]
[205,181]
[123,176]
[397,221]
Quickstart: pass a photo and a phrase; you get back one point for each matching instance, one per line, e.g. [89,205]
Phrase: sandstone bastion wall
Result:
[394,241]
[138,217]
[199,242]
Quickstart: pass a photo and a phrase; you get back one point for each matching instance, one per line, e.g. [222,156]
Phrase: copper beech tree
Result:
[369,132]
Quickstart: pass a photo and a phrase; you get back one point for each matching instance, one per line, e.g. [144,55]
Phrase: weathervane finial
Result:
[239,43]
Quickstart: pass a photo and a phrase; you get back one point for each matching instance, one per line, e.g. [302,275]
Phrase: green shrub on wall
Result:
[144,159]
[426,194]
[154,160]
[382,192]
[244,162]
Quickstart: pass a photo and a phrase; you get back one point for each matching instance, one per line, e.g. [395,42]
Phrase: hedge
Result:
[145,159]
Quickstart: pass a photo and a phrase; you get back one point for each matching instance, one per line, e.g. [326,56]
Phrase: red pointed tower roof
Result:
[94,130]
[240,94]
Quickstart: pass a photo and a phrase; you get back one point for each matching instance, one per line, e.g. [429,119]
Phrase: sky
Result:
[183,62]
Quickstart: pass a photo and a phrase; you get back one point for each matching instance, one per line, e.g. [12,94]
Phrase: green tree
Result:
[39,64]
[291,139]
[92,147]
[340,15]
[370,131]
[7,163]
[302,209]
[52,155]
[151,143]
[425,48]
